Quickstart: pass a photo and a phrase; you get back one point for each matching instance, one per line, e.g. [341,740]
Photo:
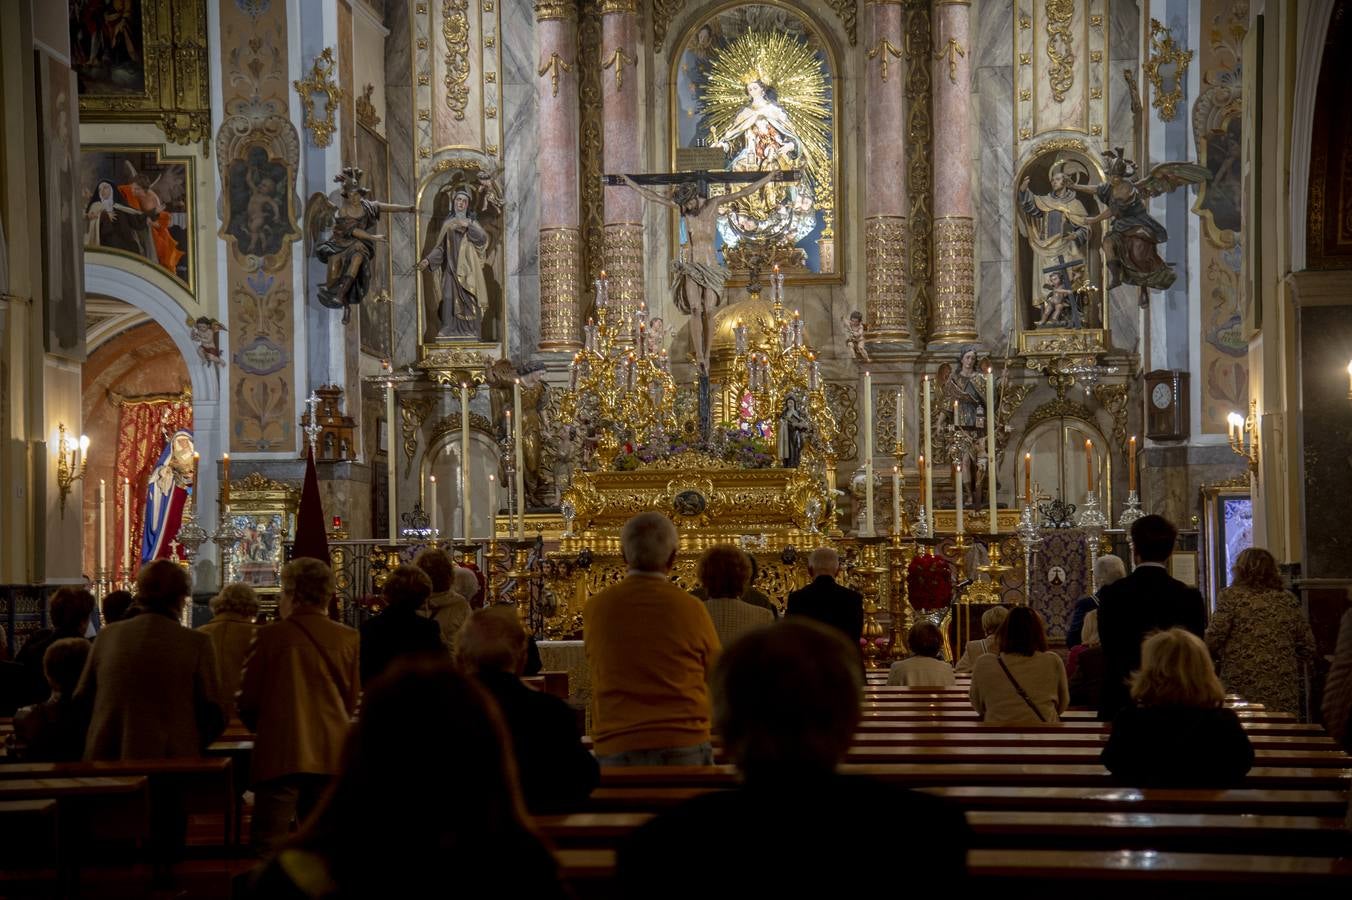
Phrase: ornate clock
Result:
[1166,405]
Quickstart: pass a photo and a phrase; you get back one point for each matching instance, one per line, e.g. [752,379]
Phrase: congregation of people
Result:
[355,730]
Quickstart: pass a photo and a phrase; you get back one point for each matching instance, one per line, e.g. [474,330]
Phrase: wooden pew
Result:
[108,806]
[1078,738]
[1043,755]
[206,784]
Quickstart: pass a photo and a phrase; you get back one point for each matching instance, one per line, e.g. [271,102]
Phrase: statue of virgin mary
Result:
[166,495]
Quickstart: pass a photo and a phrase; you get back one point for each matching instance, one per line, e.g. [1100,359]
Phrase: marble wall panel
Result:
[993,169]
[992,22]
[399,129]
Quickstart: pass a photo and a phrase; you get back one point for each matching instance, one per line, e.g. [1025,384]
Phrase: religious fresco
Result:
[107,46]
[461,256]
[1216,123]
[63,263]
[257,152]
[754,91]
[138,202]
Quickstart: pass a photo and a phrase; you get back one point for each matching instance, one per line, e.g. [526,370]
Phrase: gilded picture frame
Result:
[157,72]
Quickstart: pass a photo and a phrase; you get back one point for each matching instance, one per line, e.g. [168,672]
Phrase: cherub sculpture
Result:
[1133,235]
[206,334]
[350,220]
[856,332]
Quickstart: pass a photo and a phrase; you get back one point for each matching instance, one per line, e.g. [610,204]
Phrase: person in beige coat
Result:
[231,630]
[152,685]
[446,605]
[1023,683]
[298,694]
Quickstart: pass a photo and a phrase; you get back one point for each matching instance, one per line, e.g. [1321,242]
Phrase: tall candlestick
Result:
[225,483]
[466,521]
[102,542]
[1131,464]
[896,500]
[1028,479]
[196,460]
[126,530]
[920,472]
[929,454]
[432,504]
[392,509]
[492,506]
[1088,466]
[901,421]
[520,462]
[868,454]
[957,492]
[990,452]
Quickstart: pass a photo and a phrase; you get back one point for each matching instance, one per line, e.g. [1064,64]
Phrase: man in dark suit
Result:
[828,602]
[1147,600]
[399,631]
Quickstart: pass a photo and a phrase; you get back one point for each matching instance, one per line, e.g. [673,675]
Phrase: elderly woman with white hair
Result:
[991,620]
[231,630]
[1107,569]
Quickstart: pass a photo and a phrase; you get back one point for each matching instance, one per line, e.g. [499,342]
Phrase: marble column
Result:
[560,236]
[623,245]
[954,232]
[885,174]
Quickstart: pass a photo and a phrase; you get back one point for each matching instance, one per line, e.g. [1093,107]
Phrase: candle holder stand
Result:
[1030,537]
[1092,521]
[1131,512]
[899,556]
[869,574]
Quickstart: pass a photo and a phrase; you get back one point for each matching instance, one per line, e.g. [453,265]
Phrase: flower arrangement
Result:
[929,582]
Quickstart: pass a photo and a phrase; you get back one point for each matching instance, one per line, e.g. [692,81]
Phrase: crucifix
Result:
[697,275]
[312,428]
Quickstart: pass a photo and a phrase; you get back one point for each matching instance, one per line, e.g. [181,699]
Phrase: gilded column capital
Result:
[954,279]
[619,6]
[555,9]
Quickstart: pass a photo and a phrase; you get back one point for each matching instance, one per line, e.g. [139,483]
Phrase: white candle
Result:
[901,422]
[957,491]
[432,504]
[520,460]
[990,451]
[868,454]
[896,500]
[126,530]
[465,505]
[392,510]
[929,454]
[102,541]
[225,482]
[492,505]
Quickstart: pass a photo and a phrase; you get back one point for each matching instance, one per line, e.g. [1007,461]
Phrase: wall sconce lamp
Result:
[71,460]
[1244,435]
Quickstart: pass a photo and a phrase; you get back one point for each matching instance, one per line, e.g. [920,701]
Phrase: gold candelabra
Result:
[617,383]
[899,556]
[777,363]
[1244,435]
[71,460]
[869,576]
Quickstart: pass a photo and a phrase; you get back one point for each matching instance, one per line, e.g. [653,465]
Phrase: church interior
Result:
[972,294]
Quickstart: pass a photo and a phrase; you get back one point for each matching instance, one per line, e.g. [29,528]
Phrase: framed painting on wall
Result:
[136,201]
[62,259]
[1227,531]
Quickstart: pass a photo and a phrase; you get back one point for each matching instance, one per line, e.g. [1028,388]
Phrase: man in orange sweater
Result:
[650,647]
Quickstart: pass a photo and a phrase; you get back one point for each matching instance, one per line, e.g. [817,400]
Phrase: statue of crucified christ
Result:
[697,276]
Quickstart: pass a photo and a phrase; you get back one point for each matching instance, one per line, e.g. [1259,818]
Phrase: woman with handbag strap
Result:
[1022,684]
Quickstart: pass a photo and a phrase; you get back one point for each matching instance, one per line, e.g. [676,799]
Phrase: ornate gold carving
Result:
[954,282]
[1026,94]
[449,425]
[456,366]
[1096,93]
[320,81]
[885,268]
[555,9]
[1025,134]
[258,483]
[592,139]
[1025,59]
[919,171]
[560,259]
[176,65]
[842,399]
[952,50]
[624,266]
[884,48]
[848,11]
[555,67]
[1038,345]
[663,12]
[618,60]
[455,32]
[1113,398]
[458,162]
[413,411]
[366,109]
[1011,398]
[619,6]
[1060,47]
[1096,56]
[1025,23]
[1164,52]
[490,78]
[1096,130]
[1060,144]
[490,112]
[1060,408]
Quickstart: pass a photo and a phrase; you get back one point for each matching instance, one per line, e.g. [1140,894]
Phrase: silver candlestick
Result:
[1030,537]
[1131,512]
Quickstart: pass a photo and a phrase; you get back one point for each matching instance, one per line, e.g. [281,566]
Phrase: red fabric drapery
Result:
[143,429]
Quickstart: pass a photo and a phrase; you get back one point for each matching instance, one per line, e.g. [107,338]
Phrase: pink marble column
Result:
[620,89]
[885,175]
[560,236]
[954,234]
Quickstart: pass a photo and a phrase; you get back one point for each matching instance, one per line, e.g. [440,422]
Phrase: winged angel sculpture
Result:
[1133,234]
[349,219]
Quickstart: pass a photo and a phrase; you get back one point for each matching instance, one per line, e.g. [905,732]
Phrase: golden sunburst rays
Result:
[791,71]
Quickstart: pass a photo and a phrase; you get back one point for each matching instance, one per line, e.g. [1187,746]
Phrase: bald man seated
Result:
[826,601]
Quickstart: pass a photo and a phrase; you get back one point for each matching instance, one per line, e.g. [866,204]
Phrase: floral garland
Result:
[745,447]
[929,582]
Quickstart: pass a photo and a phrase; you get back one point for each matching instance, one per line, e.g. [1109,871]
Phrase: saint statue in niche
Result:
[964,389]
[1057,227]
[466,221]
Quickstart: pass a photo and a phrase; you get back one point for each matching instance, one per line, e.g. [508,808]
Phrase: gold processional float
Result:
[729,486]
